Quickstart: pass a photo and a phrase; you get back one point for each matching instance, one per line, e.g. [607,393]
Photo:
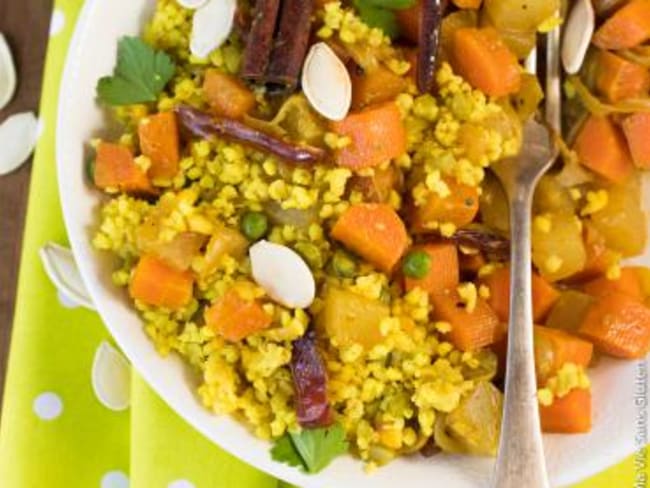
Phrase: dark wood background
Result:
[25,24]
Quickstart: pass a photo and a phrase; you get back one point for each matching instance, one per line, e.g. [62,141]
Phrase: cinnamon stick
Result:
[429,38]
[259,42]
[291,42]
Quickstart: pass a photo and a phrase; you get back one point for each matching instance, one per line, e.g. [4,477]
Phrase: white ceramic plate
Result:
[92,54]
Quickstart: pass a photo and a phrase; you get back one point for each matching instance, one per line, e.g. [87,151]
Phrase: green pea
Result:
[344,265]
[416,264]
[310,253]
[254,225]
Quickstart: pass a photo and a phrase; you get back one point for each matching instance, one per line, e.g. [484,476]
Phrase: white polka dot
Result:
[48,406]
[180,484]
[115,479]
[66,301]
[57,22]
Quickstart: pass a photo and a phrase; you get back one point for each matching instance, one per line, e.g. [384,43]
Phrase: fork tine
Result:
[553,81]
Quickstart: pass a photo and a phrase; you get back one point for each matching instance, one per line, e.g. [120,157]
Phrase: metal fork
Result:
[520,462]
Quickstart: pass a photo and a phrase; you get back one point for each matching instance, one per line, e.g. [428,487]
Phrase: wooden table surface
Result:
[25,24]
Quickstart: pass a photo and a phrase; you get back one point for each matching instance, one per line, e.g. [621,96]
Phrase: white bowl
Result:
[92,55]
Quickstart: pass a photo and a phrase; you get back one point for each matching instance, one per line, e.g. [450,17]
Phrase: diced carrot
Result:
[377,135]
[627,283]
[469,4]
[628,27]
[471,263]
[459,207]
[115,168]
[159,142]
[235,318]
[374,231]
[469,330]
[544,294]
[636,128]
[601,147]
[618,79]
[485,61]
[156,283]
[570,414]
[227,95]
[643,273]
[618,325]
[408,20]
[376,86]
[443,269]
[554,348]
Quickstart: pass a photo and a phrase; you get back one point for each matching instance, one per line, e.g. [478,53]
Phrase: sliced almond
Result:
[111,378]
[7,73]
[283,274]
[326,82]
[18,135]
[577,35]
[211,26]
[62,270]
[192,4]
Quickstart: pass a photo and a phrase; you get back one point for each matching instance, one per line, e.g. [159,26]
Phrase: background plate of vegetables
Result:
[589,212]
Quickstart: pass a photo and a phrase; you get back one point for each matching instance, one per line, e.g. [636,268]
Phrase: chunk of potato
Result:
[551,196]
[348,317]
[622,222]
[559,252]
[569,310]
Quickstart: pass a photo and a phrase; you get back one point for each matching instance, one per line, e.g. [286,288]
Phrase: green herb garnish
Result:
[311,449]
[379,13]
[140,75]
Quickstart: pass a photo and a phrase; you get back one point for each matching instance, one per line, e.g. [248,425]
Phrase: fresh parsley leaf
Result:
[377,17]
[391,4]
[312,449]
[140,75]
[285,452]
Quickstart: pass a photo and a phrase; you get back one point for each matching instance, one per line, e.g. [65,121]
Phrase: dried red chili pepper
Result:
[310,383]
[205,125]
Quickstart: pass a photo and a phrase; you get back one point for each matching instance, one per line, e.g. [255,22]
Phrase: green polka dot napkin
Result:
[54,431]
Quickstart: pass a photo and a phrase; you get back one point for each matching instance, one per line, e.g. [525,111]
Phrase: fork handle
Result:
[521,452]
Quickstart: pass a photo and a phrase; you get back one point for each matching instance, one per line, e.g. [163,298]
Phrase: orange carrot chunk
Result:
[483,59]
[156,283]
[627,283]
[544,294]
[227,95]
[235,318]
[618,325]
[443,269]
[375,232]
[636,128]
[459,208]
[554,348]
[376,86]
[159,142]
[377,135]
[601,148]
[618,78]
[115,168]
[570,414]
[469,330]
[628,27]
[408,21]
